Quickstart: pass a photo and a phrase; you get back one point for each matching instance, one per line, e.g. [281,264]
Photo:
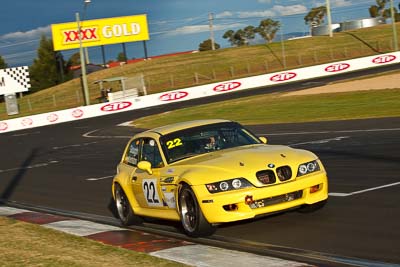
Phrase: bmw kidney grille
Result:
[266,176]
[284,173]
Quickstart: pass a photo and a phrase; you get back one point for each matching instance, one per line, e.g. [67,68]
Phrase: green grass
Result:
[24,244]
[168,73]
[276,108]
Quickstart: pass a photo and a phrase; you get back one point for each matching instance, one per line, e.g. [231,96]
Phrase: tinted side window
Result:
[151,153]
[132,156]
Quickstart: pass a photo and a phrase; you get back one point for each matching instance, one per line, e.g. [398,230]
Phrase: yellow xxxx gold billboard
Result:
[100,32]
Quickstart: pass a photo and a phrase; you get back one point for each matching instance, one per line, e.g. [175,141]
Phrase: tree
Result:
[206,45]
[380,11]
[121,57]
[249,33]
[44,71]
[229,35]
[3,64]
[74,60]
[268,29]
[235,38]
[316,16]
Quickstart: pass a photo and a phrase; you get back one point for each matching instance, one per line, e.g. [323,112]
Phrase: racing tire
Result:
[193,221]
[312,207]
[124,209]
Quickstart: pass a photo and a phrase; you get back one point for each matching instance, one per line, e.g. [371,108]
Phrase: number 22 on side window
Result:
[174,143]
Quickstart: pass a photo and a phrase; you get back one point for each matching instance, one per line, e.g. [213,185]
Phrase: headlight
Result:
[307,168]
[227,185]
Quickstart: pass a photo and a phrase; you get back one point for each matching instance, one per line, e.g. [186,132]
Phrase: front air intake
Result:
[284,173]
[266,177]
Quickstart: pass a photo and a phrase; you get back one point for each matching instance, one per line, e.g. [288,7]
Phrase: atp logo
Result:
[337,67]
[77,113]
[282,77]
[384,59]
[52,117]
[173,96]
[116,106]
[3,126]
[27,122]
[228,86]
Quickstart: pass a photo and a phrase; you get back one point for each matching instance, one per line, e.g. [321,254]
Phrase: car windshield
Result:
[204,139]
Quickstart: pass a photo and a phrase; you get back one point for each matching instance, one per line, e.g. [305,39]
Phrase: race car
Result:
[208,172]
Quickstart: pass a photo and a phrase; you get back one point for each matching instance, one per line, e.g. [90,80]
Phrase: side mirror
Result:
[263,139]
[145,166]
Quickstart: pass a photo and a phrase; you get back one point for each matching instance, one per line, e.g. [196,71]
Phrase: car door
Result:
[128,166]
[146,187]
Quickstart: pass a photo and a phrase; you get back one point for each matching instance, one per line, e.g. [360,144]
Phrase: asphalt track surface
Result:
[70,166]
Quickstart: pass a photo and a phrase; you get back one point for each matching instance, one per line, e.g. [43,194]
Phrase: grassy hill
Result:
[168,73]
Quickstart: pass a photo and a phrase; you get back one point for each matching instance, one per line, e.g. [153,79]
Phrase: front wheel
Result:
[193,221]
[124,209]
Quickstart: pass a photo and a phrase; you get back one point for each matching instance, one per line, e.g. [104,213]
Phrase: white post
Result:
[210,18]
[328,14]
[283,46]
[83,64]
[395,41]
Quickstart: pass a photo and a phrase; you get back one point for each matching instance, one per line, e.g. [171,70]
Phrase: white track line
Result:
[24,134]
[88,135]
[362,191]
[99,178]
[325,132]
[322,141]
[30,166]
[74,145]
[126,124]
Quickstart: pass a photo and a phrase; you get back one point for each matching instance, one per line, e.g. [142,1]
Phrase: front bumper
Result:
[273,198]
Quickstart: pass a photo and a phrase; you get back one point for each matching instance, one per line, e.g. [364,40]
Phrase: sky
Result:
[174,25]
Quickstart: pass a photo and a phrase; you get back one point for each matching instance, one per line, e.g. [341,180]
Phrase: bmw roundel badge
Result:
[271,165]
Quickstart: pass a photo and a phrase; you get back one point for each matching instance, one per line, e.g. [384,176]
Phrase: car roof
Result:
[163,130]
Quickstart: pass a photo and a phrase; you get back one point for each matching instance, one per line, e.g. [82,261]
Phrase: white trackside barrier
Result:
[133,103]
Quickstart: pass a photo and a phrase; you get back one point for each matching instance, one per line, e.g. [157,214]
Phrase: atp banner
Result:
[100,32]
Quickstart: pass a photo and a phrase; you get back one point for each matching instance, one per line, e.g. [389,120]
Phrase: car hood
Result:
[239,162]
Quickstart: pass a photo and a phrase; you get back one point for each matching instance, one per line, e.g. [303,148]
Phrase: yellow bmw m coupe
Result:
[207,172]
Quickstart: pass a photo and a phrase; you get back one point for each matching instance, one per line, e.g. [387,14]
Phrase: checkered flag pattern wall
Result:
[20,75]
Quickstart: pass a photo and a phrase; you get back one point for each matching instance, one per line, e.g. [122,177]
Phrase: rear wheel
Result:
[193,221]
[124,209]
[312,207]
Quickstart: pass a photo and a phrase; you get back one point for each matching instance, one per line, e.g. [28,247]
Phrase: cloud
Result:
[264,1]
[340,3]
[317,4]
[225,14]
[335,3]
[290,10]
[276,10]
[203,28]
[252,14]
[221,27]
[32,34]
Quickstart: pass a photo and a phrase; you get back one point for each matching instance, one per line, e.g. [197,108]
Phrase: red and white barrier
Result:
[197,92]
